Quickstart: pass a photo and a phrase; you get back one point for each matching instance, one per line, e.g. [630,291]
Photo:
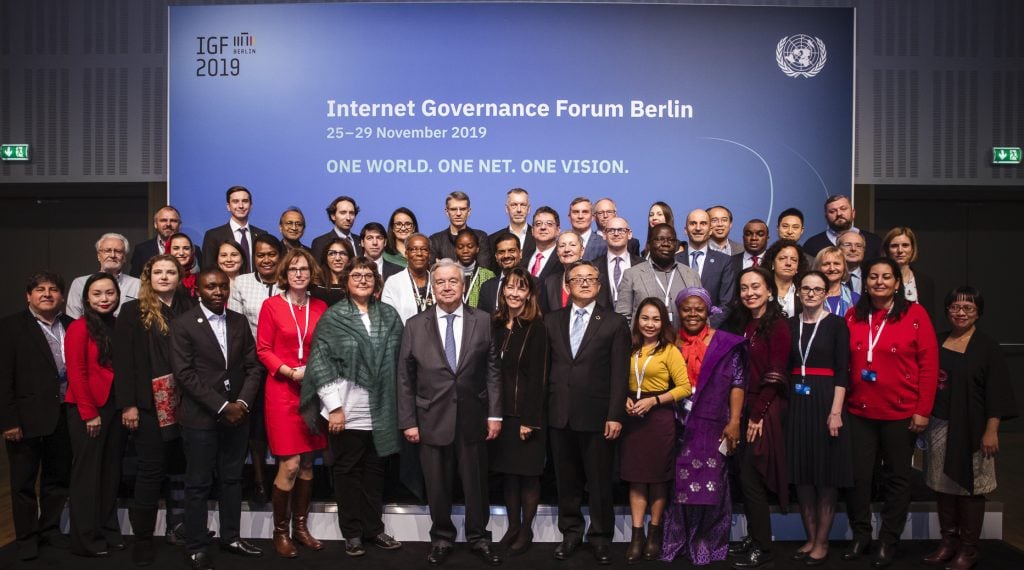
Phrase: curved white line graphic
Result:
[771,183]
[811,166]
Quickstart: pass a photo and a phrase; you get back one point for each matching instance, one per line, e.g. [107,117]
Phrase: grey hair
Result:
[445,262]
[113,235]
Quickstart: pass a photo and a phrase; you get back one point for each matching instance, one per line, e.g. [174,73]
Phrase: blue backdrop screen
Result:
[399,104]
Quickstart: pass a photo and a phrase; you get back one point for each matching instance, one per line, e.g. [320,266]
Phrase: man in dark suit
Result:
[507,255]
[616,261]
[442,243]
[33,416]
[581,217]
[342,212]
[213,356]
[716,270]
[449,402]
[238,229]
[755,242]
[586,407]
[373,238]
[540,260]
[517,206]
[166,222]
[839,215]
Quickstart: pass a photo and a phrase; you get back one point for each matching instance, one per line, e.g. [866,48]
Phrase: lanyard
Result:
[59,338]
[640,372]
[301,333]
[664,289]
[800,340]
[472,282]
[421,302]
[873,339]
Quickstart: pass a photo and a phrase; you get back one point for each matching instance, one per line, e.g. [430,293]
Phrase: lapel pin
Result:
[199,320]
[598,317]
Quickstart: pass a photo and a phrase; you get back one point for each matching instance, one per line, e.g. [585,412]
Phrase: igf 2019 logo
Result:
[212,54]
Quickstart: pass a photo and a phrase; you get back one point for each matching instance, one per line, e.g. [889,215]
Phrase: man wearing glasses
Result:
[540,260]
[111,252]
[442,243]
[605,211]
[852,244]
[517,206]
[589,348]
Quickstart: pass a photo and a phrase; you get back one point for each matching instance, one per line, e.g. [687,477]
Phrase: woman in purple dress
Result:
[699,515]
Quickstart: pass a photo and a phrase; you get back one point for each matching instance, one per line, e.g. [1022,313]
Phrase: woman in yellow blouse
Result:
[657,379]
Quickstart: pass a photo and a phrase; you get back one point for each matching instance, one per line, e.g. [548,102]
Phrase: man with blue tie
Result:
[716,271]
[449,402]
[853,245]
[589,348]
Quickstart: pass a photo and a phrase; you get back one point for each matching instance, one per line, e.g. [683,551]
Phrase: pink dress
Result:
[277,343]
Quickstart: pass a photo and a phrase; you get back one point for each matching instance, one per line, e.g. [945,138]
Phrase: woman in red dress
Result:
[283,338]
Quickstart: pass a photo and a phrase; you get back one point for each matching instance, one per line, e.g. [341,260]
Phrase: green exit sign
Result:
[14,152]
[1006,155]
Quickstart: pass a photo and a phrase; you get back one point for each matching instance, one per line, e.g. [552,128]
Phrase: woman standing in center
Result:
[658,378]
[284,335]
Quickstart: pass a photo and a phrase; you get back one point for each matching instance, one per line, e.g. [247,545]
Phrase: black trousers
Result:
[223,450]
[95,478]
[895,443]
[151,469]
[755,499]
[440,463]
[358,483]
[583,459]
[47,457]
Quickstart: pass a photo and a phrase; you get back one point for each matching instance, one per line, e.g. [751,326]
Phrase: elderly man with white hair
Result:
[111,252]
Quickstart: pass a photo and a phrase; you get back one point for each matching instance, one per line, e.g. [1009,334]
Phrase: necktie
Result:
[536,264]
[576,334]
[753,261]
[694,256]
[244,242]
[449,342]
[617,272]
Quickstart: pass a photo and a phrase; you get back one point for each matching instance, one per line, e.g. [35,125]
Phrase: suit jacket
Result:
[29,379]
[596,247]
[218,235]
[439,400]
[320,244]
[442,244]
[200,371]
[718,277]
[488,302]
[551,266]
[606,278]
[149,249]
[818,242]
[640,282]
[389,270]
[586,391]
[734,247]
[528,243]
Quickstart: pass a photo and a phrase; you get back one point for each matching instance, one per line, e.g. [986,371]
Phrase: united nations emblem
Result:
[801,55]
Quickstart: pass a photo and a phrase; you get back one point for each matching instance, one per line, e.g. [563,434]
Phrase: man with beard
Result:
[839,214]
[442,243]
[507,255]
[166,222]
[342,212]
[111,251]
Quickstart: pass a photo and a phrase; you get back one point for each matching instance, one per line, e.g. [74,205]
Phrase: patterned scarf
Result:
[693,348]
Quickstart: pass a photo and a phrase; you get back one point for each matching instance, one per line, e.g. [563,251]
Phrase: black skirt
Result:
[511,455]
[648,447]
[815,457]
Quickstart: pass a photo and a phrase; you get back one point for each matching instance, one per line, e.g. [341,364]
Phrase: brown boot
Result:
[970,517]
[652,548]
[635,550]
[946,505]
[282,542]
[302,492]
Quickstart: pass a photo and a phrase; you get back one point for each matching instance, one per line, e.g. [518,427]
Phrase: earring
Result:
[771,297]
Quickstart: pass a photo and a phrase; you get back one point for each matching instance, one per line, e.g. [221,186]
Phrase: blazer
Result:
[218,235]
[200,371]
[640,282]
[586,391]
[488,300]
[141,355]
[439,400]
[399,294]
[528,243]
[89,382]
[320,243]
[596,247]
[29,379]
[718,277]
[389,270]
[818,242]
[551,265]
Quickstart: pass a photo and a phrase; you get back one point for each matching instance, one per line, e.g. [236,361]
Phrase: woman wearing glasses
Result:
[283,339]
[974,394]
[894,362]
[329,288]
[401,226]
[817,443]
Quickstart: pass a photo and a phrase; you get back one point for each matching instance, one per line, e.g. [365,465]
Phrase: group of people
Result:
[685,367]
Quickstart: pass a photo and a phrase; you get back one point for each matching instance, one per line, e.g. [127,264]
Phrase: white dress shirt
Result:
[700,258]
[545,257]
[128,285]
[442,328]
[219,326]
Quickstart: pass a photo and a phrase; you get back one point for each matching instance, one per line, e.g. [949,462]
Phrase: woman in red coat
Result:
[894,366]
[283,338]
[97,436]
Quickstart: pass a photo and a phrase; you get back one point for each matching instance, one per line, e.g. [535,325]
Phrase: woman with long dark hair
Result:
[401,226]
[785,259]
[894,361]
[97,436]
[759,318]
[182,249]
[329,287]
[147,396]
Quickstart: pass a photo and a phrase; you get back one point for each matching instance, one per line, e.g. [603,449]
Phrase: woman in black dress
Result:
[818,444]
[518,453]
[973,396]
[330,288]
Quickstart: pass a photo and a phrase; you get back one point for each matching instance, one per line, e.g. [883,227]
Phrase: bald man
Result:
[716,270]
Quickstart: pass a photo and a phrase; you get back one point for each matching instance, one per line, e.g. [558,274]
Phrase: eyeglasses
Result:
[605,213]
[812,290]
[545,224]
[294,224]
[336,253]
[111,251]
[298,270]
[965,309]
[357,277]
[402,225]
[616,231]
[583,280]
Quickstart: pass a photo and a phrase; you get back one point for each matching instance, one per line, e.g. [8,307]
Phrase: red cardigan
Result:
[88,381]
[906,360]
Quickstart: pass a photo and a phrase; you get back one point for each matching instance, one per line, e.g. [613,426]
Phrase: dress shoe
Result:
[800,555]
[438,554]
[57,540]
[90,553]
[602,554]
[354,547]
[385,541]
[754,559]
[28,549]
[812,561]
[886,554]
[242,548]
[115,541]
[742,547]
[522,543]
[511,534]
[565,549]
[200,561]
[487,553]
[144,552]
[859,547]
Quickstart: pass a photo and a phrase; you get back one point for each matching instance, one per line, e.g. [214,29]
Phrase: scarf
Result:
[693,348]
[342,349]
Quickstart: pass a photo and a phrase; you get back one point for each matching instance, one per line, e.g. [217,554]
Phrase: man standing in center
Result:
[449,402]
[587,395]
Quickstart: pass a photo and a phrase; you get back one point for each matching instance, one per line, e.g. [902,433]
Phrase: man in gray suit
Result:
[449,402]
[714,268]
[581,216]
[660,277]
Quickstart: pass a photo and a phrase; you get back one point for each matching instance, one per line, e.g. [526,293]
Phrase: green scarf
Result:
[342,349]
